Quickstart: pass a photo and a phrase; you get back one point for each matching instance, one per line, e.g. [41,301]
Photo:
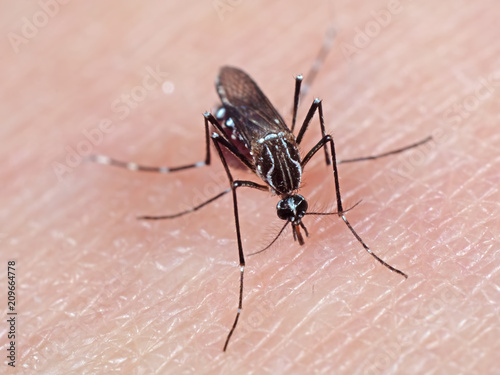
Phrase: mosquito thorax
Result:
[278,163]
[292,208]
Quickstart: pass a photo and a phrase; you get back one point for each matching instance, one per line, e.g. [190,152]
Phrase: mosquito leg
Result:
[312,73]
[296,98]
[322,143]
[217,140]
[193,209]
[315,106]
[101,159]
[330,35]
[302,89]
[196,208]
[209,119]
[396,151]
[222,139]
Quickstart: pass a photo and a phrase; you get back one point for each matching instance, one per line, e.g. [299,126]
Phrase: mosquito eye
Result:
[284,211]
[302,207]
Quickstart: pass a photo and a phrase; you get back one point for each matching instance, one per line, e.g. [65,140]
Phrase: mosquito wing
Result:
[252,113]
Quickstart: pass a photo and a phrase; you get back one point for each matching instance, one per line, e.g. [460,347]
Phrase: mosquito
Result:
[251,129]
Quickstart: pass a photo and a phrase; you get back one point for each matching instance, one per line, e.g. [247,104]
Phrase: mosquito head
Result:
[292,208]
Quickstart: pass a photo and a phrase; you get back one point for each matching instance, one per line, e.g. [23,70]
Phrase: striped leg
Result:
[302,90]
[235,184]
[317,106]
[221,138]
[327,139]
[101,159]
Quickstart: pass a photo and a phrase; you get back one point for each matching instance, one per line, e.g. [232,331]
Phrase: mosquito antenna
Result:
[302,225]
[334,213]
[268,246]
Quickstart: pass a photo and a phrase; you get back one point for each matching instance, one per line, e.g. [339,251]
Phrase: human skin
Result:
[100,291]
